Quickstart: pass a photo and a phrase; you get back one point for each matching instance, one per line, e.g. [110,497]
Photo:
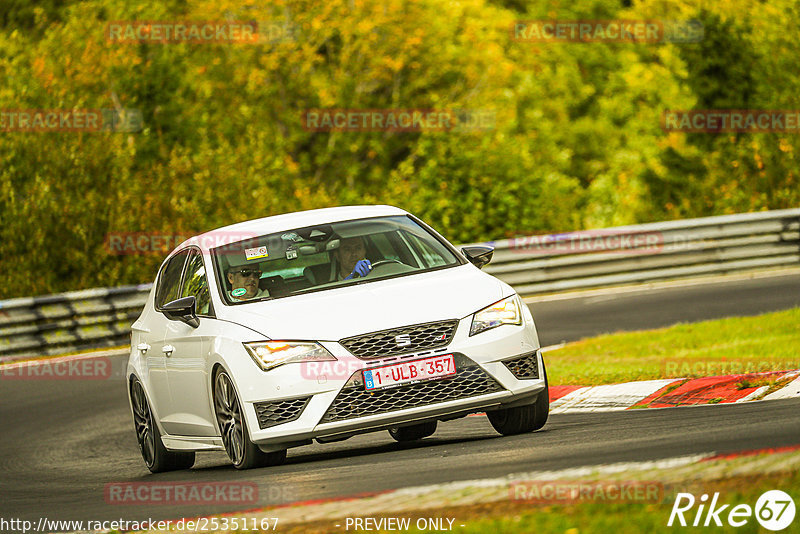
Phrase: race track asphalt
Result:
[63,441]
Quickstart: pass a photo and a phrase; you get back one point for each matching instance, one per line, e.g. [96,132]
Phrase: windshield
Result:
[321,257]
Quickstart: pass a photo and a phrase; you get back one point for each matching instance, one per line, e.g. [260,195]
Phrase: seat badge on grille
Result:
[403,340]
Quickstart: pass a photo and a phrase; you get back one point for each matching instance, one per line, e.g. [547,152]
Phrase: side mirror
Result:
[183,309]
[478,255]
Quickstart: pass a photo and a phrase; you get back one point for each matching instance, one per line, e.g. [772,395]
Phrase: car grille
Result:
[355,401]
[277,412]
[384,343]
[524,367]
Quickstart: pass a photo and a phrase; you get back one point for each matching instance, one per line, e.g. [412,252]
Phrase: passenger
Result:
[245,278]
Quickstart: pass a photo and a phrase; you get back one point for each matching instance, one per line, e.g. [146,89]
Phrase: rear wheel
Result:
[413,432]
[522,419]
[244,454]
[156,457]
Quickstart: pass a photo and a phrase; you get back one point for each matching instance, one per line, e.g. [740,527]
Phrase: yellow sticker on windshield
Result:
[255,253]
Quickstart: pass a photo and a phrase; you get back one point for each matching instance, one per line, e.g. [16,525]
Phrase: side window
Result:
[392,246]
[196,284]
[169,282]
[430,256]
[384,247]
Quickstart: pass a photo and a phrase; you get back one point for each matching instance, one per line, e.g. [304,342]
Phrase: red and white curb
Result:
[674,392]
[607,397]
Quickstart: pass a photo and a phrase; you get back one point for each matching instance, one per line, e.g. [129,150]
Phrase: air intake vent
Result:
[355,401]
[524,367]
[277,412]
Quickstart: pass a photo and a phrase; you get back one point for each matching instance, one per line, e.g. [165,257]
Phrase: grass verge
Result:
[768,342]
[515,517]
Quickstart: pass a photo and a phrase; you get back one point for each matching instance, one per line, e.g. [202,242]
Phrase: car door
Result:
[152,332]
[188,350]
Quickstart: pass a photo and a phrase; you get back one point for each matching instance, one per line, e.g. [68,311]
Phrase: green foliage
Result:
[577,141]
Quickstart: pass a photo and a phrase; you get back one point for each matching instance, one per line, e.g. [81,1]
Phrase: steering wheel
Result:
[384,262]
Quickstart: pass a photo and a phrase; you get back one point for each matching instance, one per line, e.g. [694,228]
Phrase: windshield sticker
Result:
[291,253]
[238,292]
[255,253]
[291,236]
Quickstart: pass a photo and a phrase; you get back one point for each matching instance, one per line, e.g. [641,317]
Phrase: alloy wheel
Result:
[143,421]
[229,418]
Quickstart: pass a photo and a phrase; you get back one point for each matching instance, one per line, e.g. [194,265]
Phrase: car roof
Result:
[286,221]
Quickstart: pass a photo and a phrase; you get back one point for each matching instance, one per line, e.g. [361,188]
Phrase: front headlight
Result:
[272,354]
[504,312]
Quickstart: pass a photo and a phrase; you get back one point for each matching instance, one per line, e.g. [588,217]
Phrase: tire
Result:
[413,432]
[522,419]
[156,457]
[243,453]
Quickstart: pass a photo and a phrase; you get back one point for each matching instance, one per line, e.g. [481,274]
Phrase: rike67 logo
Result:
[774,510]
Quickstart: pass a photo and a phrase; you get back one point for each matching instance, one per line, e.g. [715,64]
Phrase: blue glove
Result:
[362,269]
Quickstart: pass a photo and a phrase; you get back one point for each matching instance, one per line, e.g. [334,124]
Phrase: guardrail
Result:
[648,252]
[54,324]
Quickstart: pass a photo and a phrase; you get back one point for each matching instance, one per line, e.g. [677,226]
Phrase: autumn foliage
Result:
[576,140]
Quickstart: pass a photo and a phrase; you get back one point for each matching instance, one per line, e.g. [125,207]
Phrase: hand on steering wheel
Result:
[362,269]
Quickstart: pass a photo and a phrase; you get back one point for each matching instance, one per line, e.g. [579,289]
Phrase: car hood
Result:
[334,314]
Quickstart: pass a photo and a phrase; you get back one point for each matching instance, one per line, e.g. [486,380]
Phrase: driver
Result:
[244,283]
[351,260]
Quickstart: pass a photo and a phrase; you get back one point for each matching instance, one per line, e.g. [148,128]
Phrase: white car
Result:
[324,324]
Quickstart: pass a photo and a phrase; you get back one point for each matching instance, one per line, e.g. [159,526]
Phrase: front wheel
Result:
[156,457]
[522,419]
[413,432]
[244,454]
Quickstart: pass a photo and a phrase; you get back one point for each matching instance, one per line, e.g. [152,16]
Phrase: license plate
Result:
[413,371]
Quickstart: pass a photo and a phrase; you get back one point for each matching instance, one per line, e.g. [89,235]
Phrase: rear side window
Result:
[196,283]
[169,283]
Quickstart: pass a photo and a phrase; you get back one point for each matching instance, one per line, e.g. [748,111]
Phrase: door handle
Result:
[143,347]
[168,350]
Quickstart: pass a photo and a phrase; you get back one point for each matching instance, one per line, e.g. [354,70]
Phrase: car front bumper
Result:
[314,391]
